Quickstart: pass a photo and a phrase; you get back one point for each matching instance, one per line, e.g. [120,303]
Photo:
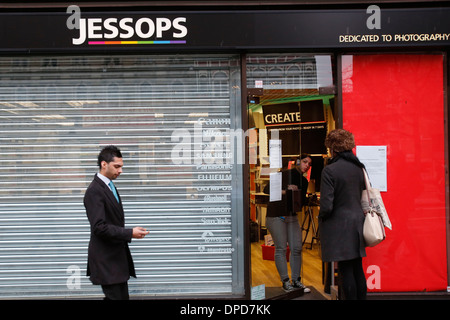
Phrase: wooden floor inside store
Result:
[265,272]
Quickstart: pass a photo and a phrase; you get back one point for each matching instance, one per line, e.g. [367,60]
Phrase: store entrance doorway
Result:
[291,100]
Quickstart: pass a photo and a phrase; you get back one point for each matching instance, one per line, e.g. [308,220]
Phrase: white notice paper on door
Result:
[374,158]
[275,186]
[275,154]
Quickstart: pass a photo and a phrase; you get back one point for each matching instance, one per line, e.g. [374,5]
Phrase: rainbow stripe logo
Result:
[96,43]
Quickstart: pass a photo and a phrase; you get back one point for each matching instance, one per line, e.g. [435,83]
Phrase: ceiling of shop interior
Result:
[271,96]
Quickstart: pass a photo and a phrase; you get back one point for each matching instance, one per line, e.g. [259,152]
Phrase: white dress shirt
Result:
[104,179]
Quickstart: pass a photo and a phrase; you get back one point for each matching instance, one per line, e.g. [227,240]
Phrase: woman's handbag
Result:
[373,230]
[376,216]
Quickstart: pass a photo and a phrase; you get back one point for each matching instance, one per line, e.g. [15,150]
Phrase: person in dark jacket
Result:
[109,259]
[282,223]
[341,216]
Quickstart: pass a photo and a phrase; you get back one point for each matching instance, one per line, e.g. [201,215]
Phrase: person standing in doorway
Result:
[341,217]
[282,223]
[109,259]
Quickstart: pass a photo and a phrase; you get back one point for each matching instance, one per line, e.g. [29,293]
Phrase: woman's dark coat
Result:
[341,217]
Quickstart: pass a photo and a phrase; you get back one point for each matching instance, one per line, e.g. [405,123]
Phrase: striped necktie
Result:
[113,189]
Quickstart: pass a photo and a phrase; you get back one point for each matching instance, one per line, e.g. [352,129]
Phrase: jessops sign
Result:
[113,31]
[74,29]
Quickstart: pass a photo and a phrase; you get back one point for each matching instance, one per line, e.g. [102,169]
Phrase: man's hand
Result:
[139,232]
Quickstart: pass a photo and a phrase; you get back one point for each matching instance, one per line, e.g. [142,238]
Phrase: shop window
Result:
[286,103]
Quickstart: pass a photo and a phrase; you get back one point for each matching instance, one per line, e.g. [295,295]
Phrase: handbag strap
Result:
[368,186]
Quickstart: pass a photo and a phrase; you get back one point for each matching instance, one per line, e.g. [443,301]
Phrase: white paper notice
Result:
[275,186]
[275,153]
[374,158]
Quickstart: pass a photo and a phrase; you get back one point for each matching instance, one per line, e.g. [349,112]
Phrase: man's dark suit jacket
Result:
[109,257]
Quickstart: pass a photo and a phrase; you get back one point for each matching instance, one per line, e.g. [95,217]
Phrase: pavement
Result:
[277,293]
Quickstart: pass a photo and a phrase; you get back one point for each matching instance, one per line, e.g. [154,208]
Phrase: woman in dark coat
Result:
[341,217]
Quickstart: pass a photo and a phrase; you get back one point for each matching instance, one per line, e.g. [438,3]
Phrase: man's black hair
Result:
[107,154]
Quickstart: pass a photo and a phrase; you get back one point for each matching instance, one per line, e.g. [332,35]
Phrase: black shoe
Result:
[287,286]
[296,284]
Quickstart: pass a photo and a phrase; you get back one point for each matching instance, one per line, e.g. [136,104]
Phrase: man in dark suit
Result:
[109,259]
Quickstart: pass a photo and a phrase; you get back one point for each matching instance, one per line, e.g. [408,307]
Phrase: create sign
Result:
[282,118]
[282,114]
[300,125]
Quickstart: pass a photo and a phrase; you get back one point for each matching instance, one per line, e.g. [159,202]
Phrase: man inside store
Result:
[109,259]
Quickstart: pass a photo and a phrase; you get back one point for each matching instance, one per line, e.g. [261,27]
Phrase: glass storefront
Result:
[172,116]
[178,121]
[291,99]
[394,104]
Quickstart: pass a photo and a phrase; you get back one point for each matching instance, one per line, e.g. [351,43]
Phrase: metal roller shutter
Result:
[55,115]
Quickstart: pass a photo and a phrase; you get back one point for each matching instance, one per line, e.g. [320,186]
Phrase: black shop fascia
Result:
[152,31]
